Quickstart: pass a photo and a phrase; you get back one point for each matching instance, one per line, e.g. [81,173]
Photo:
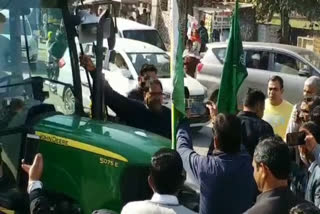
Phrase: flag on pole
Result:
[177,72]
[234,69]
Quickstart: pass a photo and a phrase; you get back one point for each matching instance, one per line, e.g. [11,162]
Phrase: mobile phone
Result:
[296,138]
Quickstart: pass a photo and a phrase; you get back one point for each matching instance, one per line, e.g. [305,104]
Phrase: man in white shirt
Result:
[166,177]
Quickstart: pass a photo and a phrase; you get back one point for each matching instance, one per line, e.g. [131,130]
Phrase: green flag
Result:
[234,69]
[177,72]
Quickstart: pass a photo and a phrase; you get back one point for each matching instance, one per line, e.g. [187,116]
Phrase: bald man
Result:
[311,88]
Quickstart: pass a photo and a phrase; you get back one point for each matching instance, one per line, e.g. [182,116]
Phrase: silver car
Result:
[263,60]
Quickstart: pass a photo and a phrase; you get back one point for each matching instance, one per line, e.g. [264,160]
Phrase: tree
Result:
[308,8]
[267,8]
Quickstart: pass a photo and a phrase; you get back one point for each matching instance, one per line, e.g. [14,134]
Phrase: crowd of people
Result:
[252,165]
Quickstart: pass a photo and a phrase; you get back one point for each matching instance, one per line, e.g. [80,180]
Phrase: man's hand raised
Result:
[35,170]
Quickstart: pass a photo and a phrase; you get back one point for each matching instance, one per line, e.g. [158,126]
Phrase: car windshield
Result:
[160,60]
[311,57]
[149,36]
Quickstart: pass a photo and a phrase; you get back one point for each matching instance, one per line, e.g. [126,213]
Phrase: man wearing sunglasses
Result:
[151,115]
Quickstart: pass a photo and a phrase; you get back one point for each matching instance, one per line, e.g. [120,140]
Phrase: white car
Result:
[129,56]
[31,38]
[133,30]
[263,60]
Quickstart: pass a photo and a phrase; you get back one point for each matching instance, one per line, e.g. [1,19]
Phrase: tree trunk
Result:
[285,26]
[182,5]
[190,7]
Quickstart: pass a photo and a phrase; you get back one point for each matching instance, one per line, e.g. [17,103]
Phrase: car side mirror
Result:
[304,72]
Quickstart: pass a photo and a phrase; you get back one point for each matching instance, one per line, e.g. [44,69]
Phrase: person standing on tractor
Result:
[156,117]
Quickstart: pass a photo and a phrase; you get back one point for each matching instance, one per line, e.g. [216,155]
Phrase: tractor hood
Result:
[111,140]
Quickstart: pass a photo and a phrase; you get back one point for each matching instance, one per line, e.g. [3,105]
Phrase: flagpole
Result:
[172,64]
[173,127]
[177,69]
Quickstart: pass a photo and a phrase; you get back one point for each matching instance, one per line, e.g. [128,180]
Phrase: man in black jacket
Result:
[147,73]
[271,163]
[253,127]
[150,115]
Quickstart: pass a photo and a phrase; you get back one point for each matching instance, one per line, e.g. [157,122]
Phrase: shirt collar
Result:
[164,199]
[312,166]
[248,114]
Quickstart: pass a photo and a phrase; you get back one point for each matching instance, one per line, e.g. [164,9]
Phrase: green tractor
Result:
[90,163]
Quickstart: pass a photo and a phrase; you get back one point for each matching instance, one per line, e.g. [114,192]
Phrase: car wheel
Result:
[69,101]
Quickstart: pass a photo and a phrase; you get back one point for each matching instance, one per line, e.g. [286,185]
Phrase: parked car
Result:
[32,39]
[263,60]
[144,33]
[124,67]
